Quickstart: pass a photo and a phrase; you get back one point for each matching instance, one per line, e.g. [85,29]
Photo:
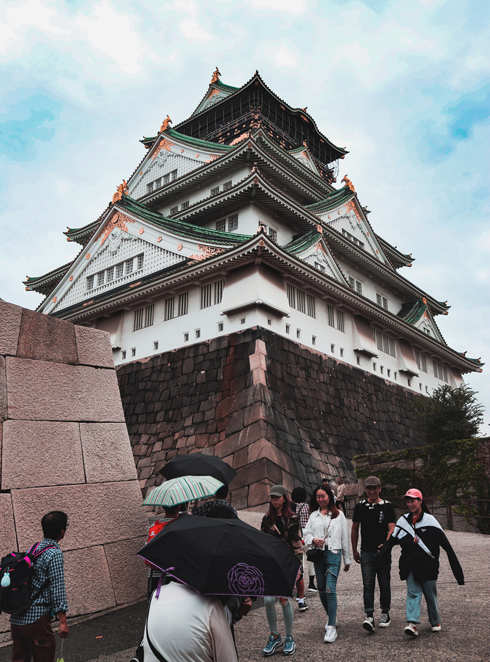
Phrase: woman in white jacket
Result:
[327,532]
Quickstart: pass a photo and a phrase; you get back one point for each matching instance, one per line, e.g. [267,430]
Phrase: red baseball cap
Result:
[414,494]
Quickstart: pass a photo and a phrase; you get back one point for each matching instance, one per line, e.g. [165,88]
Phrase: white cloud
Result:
[353,52]
[285,58]
[193,31]
[17,21]
[289,6]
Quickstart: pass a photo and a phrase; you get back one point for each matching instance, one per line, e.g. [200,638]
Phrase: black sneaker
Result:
[312,587]
[302,606]
[384,621]
[369,624]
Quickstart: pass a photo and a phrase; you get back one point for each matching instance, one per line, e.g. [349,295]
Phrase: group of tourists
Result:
[323,539]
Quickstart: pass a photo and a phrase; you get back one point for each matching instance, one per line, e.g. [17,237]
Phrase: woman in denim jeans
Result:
[327,530]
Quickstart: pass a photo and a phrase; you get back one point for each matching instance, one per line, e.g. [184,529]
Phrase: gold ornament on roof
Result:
[348,183]
[165,124]
[121,190]
[216,75]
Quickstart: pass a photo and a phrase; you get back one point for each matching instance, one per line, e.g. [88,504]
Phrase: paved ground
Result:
[465,612]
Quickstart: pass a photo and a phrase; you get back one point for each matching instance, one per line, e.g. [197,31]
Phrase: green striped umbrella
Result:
[182,489]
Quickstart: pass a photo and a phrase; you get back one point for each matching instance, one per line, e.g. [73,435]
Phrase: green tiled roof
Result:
[188,140]
[411,312]
[180,228]
[225,88]
[331,201]
[302,243]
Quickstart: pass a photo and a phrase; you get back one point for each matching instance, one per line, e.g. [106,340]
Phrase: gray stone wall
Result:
[273,409]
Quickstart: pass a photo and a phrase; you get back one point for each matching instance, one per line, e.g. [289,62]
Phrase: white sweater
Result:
[337,536]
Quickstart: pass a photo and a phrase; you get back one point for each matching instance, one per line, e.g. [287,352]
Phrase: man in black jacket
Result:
[420,537]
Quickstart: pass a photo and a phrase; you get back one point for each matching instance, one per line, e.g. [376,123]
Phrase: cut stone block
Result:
[107,452]
[39,453]
[45,391]
[94,347]
[3,389]
[128,572]
[45,338]
[10,317]
[88,581]
[8,539]
[97,514]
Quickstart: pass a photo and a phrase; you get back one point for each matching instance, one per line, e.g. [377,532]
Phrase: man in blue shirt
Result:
[32,634]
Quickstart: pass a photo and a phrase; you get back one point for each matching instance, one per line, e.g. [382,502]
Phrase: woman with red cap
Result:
[420,536]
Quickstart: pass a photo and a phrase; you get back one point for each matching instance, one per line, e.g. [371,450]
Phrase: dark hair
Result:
[221,512]
[222,493]
[54,523]
[172,511]
[425,507]
[286,512]
[340,481]
[332,508]
[298,495]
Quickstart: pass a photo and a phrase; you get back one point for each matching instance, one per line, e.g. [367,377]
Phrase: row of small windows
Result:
[161,181]
[351,237]
[115,272]
[300,301]
[226,187]
[384,343]
[268,230]
[228,224]
[212,294]
[183,207]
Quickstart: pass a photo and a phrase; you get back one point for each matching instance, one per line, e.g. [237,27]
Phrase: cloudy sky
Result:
[403,85]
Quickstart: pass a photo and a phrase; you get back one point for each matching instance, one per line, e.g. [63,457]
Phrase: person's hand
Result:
[318,542]
[245,606]
[357,557]
[346,568]
[415,540]
[63,630]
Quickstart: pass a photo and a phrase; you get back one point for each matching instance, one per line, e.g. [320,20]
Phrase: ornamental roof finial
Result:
[121,190]
[165,124]
[348,183]
[216,75]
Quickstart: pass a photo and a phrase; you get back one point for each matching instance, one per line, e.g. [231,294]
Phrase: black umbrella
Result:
[198,464]
[223,557]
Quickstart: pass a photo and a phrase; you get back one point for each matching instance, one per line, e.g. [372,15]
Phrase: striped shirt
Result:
[47,568]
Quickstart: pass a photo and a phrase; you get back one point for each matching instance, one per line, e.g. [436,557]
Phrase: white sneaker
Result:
[436,628]
[330,634]
[369,624]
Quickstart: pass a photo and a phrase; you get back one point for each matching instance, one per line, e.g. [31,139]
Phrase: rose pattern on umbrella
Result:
[246,580]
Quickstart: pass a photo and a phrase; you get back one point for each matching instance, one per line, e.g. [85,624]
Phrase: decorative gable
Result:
[302,154]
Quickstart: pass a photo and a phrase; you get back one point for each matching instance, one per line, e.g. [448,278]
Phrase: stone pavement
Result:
[465,612]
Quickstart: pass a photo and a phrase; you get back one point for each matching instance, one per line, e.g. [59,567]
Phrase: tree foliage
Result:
[449,414]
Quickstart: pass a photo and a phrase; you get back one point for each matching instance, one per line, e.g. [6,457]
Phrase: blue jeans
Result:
[414,599]
[327,573]
[369,574]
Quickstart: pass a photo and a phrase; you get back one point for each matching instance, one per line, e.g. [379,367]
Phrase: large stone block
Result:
[40,453]
[128,572]
[45,391]
[3,389]
[94,347]
[10,317]
[45,338]
[97,514]
[8,539]
[88,581]
[107,452]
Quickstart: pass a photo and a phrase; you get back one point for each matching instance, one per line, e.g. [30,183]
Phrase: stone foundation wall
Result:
[64,446]
[273,409]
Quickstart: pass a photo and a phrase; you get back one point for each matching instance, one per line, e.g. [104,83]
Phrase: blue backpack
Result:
[16,572]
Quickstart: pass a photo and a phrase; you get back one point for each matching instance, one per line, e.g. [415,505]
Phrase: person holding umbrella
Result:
[281,522]
[420,537]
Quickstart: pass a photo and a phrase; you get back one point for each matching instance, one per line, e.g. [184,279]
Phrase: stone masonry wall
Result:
[273,409]
[64,446]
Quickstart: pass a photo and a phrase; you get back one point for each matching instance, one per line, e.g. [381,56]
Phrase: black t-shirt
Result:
[374,519]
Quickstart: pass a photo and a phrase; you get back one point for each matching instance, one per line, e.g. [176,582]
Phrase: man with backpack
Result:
[32,634]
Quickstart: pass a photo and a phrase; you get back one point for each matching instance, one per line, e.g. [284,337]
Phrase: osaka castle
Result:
[235,218]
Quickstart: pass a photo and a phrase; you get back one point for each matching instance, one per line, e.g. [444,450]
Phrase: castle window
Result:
[341,352]
[123,354]
[100,278]
[183,307]
[227,186]
[185,205]
[155,344]
[221,225]
[331,315]
[273,234]
[302,302]
[158,183]
[186,337]
[351,237]
[215,191]
[220,326]
[298,333]
[169,309]
[287,328]
[310,305]
[340,320]
[384,343]
[140,259]
[421,361]
[129,266]
[218,291]
[291,295]
[149,187]
[206,296]
[173,175]
[381,301]
[198,333]
[119,270]
[313,340]
[143,317]
[110,274]
[90,283]
[133,351]
[440,371]
[355,284]
[174,210]
[232,222]
[332,349]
